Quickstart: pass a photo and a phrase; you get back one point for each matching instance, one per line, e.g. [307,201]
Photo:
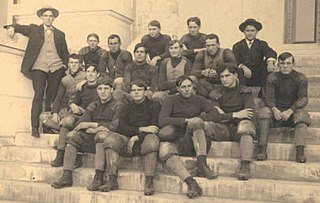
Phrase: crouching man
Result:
[182,133]
[235,102]
[286,96]
[101,117]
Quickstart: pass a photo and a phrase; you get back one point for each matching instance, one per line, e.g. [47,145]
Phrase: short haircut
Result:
[138,46]
[196,20]
[139,83]
[155,23]
[95,67]
[182,78]
[213,36]
[231,69]
[284,56]
[172,42]
[93,35]
[114,36]
[74,56]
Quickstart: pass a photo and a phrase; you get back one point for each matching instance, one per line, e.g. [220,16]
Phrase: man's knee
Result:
[112,141]
[45,116]
[166,150]
[68,122]
[151,143]
[246,127]
[195,124]
[168,133]
[301,116]
[265,113]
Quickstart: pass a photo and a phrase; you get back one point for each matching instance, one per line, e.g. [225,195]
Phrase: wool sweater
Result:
[157,46]
[84,97]
[193,42]
[116,67]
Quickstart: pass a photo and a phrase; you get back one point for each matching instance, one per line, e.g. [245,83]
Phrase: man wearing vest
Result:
[44,61]
[170,69]
[206,64]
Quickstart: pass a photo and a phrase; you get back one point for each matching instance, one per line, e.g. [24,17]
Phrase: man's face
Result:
[91,74]
[286,66]
[212,46]
[185,89]
[250,32]
[47,18]
[104,92]
[114,45]
[154,31]
[175,50]
[193,28]
[93,42]
[73,65]
[228,79]
[140,54]
[138,94]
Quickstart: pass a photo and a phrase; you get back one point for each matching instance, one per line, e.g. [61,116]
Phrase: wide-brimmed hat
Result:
[47,8]
[252,22]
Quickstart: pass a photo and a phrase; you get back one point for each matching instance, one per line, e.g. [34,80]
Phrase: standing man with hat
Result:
[253,55]
[44,61]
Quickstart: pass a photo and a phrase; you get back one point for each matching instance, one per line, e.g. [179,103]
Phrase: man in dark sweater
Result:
[235,102]
[138,125]
[286,96]
[156,43]
[204,70]
[253,55]
[182,133]
[77,105]
[99,120]
[194,41]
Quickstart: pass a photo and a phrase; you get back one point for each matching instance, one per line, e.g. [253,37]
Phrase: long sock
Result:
[299,132]
[69,157]
[112,161]
[199,142]
[99,158]
[62,138]
[246,147]
[176,165]
[150,163]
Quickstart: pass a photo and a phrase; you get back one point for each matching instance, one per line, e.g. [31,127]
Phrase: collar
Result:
[139,64]
[248,42]
[48,27]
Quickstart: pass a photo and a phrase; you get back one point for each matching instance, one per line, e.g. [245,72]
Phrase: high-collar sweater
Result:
[93,56]
[157,46]
[84,97]
[193,42]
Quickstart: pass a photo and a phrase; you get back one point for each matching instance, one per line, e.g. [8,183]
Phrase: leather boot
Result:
[300,158]
[244,173]
[203,169]
[148,186]
[96,182]
[194,189]
[78,163]
[58,161]
[35,132]
[112,184]
[262,155]
[64,181]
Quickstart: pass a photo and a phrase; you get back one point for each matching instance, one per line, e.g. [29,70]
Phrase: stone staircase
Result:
[25,173]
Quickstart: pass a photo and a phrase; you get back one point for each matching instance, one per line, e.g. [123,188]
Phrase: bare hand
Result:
[278,115]
[244,114]
[198,50]
[131,142]
[271,67]
[98,129]
[212,73]
[10,32]
[55,118]
[205,72]
[286,114]
[75,109]
[219,110]
[80,85]
[154,61]
[149,129]
[85,125]
[246,71]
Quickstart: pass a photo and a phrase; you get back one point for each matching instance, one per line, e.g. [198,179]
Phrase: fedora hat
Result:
[48,8]
[252,22]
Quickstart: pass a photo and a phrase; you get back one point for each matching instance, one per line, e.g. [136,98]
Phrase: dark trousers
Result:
[44,82]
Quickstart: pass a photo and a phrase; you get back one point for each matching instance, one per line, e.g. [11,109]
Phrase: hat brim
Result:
[256,24]
[42,10]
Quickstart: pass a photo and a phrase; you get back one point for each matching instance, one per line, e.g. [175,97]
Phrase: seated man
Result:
[170,69]
[77,104]
[235,102]
[138,124]
[286,96]
[182,133]
[207,62]
[66,89]
[100,118]
[93,54]
[156,43]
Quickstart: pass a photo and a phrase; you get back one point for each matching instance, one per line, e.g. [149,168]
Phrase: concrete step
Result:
[223,187]
[313,104]
[43,193]
[313,90]
[270,169]
[6,140]
[11,201]
[308,70]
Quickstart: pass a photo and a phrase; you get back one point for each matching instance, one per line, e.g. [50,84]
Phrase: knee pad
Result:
[45,116]
[265,113]
[246,127]
[166,150]
[301,116]
[168,133]
[195,124]
[112,141]
[68,122]
[117,83]
[151,143]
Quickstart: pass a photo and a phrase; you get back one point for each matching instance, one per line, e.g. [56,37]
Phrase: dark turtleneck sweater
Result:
[84,97]
[135,115]
[193,42]
[157,46]
[115,55]
[287,91]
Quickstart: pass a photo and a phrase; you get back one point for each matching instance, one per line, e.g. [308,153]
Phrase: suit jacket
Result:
[36,40]
[254,58]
